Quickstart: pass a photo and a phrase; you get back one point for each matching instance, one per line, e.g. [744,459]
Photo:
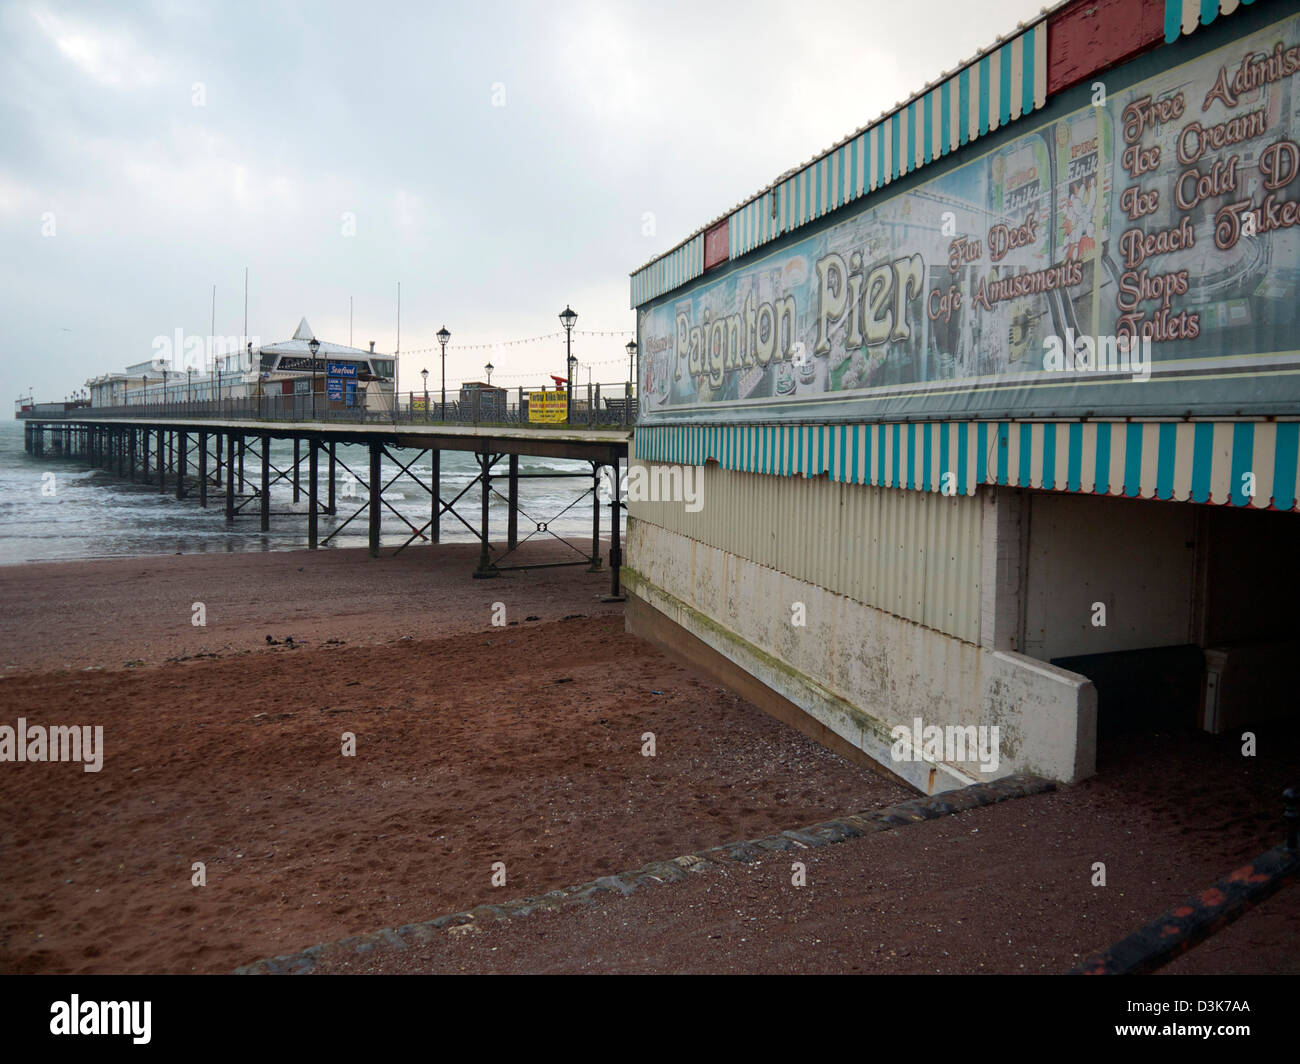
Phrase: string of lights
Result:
[516,343]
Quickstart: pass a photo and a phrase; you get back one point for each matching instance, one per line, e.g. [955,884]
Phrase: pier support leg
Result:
[130,448]
[243,484]
[297,459]
[435,485]
[485,568]
[376,503]
[164,445]
[595,519]
[182,462]
[230,476]
[120,444]
[203,470]
[615,547]
[266,483]
[311,494]
[512,518]
[330,507]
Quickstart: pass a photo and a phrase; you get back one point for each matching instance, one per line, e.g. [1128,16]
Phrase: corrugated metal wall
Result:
[915,554]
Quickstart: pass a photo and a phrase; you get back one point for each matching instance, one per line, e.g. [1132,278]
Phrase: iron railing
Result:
[615,408]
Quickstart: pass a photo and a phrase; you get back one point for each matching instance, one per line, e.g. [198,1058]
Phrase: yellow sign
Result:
[550,407]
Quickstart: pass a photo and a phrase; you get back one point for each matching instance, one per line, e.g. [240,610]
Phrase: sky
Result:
[498,160]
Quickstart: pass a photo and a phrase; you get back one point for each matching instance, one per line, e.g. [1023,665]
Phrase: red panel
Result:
[1095,35]
[717,244]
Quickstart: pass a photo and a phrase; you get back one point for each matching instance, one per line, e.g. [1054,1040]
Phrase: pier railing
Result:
[615,408]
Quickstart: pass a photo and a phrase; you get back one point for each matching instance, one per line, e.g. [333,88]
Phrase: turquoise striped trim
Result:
[1186,16]
[1102,486]
[1204,462]
[1165,462]
[1133,460]
[984,69]
[1285,467]
[1049,457]
[1243,455]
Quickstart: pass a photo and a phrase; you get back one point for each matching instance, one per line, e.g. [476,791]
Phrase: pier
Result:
[213,454]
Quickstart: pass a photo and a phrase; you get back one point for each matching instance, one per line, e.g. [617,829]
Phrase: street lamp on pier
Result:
[314,344]
[425,374]
[443,337]
[489,368]
[568,318]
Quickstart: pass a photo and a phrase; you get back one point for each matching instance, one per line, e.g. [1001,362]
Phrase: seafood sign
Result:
[1163,217]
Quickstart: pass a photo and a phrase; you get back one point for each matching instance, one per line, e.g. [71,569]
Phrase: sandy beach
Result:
[521,745]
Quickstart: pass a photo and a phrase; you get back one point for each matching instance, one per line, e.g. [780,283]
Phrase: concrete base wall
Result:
[876,670]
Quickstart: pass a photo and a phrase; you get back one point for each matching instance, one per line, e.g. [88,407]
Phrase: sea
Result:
[58,509]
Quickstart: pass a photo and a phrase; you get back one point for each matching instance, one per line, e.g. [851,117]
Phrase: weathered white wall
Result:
[916,554]
[859,669]
[1138,558]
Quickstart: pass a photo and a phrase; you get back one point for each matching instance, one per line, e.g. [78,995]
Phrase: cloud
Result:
[110,57]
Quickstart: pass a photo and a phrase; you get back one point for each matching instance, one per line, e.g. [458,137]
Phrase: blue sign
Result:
[352,393]
[341,369]
[334,387]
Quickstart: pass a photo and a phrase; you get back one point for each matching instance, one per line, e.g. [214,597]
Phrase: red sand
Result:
[522,744]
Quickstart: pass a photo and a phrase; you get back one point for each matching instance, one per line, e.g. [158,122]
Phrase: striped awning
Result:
[1184,16]
[1234,463]
[997,87]
[684,263]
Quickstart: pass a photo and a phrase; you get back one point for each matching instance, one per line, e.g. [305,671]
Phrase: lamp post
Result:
[443,337]
[568,319]
[189,384]
[631,376]
[314,344]
[425,374]
[489,368]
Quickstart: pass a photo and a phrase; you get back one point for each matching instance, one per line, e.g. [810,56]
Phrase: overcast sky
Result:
[498,159]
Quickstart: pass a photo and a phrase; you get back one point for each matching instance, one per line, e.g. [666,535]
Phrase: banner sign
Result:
[334,388]
[550,407]
[1139,256]
[342,369]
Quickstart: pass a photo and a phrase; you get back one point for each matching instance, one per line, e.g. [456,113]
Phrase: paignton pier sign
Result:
[1162,217]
